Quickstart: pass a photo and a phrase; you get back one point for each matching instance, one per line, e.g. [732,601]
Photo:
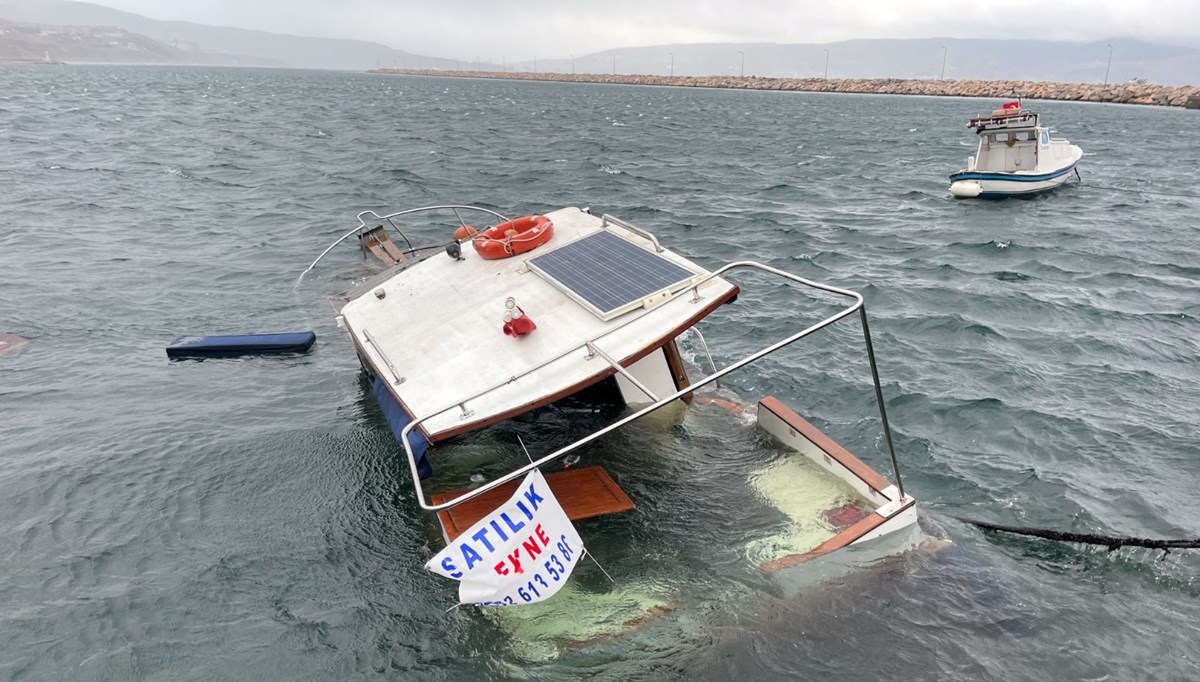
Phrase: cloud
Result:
[545,28]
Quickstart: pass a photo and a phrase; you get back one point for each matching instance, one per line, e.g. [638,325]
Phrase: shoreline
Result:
[5,61]
[1187,96]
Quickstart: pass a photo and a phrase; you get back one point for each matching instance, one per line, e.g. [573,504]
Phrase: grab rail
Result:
[606,219]
[704,344]
[386,360]
[593,348]
[859,305]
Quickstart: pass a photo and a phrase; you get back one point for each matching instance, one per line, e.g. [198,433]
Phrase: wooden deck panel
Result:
[583,493]
[378,243]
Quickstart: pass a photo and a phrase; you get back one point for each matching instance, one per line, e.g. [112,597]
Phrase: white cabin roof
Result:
[439,325]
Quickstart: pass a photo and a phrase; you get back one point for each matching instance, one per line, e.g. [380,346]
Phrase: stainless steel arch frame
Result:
[375,217]
[590,344]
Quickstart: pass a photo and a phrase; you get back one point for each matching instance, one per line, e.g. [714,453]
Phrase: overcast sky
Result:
[558,28]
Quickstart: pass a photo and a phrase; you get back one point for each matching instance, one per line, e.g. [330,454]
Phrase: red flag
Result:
[1012,105]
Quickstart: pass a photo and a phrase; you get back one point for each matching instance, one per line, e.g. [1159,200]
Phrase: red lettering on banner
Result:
[532,548]
[516,562]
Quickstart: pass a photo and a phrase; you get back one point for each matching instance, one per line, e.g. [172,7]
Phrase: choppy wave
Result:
[1038,356]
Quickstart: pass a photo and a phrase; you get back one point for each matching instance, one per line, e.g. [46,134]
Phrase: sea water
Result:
[253,518]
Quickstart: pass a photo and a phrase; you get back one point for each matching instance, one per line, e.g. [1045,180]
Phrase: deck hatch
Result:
[609,275]
[583,493]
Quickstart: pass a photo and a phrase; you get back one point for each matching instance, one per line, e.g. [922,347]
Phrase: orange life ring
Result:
[514,237]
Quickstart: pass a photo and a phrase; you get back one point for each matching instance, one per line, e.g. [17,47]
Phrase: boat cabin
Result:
[1009,141]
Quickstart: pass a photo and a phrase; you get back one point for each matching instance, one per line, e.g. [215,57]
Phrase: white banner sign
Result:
[521,553]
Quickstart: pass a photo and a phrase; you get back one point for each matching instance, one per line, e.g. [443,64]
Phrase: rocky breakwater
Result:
[1123,93]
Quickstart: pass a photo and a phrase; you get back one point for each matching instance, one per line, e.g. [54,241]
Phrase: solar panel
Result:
[609,275]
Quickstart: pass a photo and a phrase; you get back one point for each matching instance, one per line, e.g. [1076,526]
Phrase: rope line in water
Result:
[1112,542]
[1143,191]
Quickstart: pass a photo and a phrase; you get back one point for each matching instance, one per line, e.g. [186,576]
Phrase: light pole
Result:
[503,64]
[742,68]
[672,56]
[1109,64]
[572,65]
[614,58]
[535,63]
[826,64]
[944,52]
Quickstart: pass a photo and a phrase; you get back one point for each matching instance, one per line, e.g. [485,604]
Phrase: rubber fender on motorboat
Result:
[966,188]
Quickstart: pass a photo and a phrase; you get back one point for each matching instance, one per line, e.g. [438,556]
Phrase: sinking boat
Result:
[458,342]
[1016,156]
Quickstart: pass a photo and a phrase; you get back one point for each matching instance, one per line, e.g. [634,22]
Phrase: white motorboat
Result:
[504,322]
[1016,156]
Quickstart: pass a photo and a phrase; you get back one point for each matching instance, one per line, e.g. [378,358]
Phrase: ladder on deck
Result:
[377,242]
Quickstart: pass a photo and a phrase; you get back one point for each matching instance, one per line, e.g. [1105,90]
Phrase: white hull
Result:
[997,187]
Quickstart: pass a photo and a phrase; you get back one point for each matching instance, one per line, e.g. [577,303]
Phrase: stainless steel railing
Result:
[375,217]
[590,345]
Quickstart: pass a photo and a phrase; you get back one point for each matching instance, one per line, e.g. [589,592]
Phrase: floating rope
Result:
[1112,542]
[1134,190]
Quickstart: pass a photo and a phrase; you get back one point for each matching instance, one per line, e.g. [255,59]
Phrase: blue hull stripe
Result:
[1012,178]
[397,418]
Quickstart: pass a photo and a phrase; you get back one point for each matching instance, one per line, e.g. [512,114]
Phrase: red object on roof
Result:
[519,326]
[516,322]
[1012,105]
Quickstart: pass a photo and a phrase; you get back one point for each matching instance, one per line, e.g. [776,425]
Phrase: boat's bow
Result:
[437,336]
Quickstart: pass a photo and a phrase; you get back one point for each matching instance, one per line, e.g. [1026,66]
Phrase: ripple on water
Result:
[252,517]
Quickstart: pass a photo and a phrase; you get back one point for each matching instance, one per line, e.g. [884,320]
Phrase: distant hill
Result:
[105,45]
[1035,60]
[281,50]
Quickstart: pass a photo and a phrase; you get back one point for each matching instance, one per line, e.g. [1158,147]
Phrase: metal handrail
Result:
[606,219]
[859,305]
[386,360]
[362,224]
[593,348]
[704,344]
